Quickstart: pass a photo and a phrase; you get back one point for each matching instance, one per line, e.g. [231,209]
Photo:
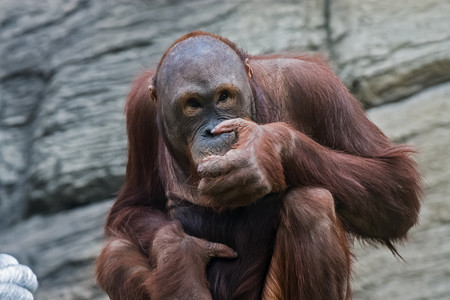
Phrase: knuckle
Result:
[204,189]
[210,248]
[201,186]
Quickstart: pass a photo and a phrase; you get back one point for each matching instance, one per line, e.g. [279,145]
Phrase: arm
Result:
[124,265]
[148,256]
[329,142]
[375,183]
[376,197]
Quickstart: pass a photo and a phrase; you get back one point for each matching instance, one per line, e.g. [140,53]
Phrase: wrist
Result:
[274,149]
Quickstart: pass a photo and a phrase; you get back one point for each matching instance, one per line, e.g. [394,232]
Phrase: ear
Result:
[248,68]
[152,92]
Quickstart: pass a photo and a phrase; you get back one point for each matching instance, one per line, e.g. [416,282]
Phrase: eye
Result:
[193,103]
[223,96]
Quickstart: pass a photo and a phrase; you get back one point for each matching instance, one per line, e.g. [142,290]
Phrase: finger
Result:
[13,291]
[20,275]
[238,179]
[234,197]
[218,250]
[215,166]
[231,125]
[7,260]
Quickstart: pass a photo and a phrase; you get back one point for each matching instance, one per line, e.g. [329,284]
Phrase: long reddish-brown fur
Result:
[337,174]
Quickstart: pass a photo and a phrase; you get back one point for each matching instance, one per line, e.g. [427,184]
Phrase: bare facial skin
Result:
[201,83]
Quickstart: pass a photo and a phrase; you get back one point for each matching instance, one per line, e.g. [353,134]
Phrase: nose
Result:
[208,131]
[227,138]
[223,138]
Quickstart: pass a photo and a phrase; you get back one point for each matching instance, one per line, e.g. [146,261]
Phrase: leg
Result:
[311,259]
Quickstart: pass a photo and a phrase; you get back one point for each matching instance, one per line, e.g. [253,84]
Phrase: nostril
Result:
[208,132]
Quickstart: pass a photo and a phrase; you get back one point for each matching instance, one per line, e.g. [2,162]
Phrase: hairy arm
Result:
[375,183]
[376,197]
[150,257]
[324,140]
[124,265]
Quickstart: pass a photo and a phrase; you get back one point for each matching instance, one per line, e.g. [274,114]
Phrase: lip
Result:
[216,145]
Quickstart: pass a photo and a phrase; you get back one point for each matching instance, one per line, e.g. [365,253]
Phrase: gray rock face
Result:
[424,122]
[388,50]
[66,67]
[61,250]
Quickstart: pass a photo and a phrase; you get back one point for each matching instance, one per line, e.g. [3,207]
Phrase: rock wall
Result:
[65,69]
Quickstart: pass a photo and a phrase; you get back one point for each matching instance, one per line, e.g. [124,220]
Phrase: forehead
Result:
[200,61]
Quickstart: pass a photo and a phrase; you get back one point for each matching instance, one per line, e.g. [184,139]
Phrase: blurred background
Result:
[65,69]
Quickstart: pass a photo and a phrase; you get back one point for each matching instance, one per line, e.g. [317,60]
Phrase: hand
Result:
[16,281]
[182,259]
[245,174]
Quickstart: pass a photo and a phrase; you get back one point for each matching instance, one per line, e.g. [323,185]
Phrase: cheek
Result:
[244,108]
[176,135]
[236,110]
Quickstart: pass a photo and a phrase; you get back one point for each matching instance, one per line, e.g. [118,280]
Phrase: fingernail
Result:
[235,253]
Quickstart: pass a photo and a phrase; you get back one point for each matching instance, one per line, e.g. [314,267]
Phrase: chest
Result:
[249,230]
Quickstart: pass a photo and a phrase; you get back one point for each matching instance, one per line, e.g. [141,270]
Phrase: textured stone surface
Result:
[65,69]
[388,50]
[61,250]
[424,122]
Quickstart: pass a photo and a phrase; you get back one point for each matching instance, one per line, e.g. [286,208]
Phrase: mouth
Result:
[217,145]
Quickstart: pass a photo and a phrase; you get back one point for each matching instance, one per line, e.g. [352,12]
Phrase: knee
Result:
[310,196]
[313,205]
